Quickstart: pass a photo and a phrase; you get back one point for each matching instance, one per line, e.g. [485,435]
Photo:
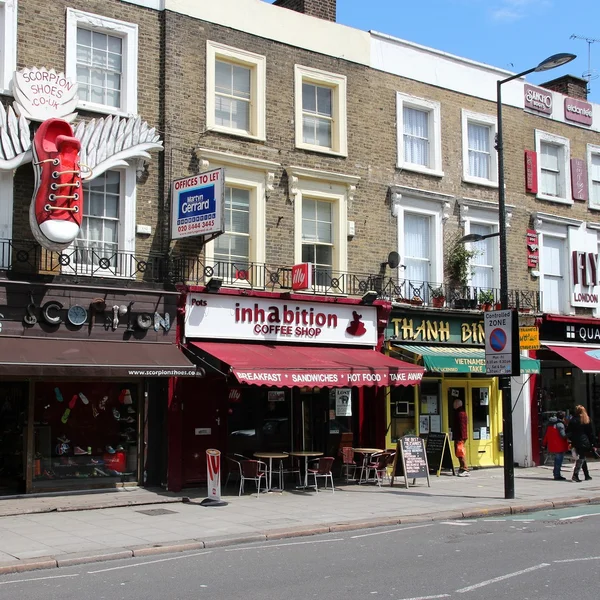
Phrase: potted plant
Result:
[486,299]
[459,271]
[438,297]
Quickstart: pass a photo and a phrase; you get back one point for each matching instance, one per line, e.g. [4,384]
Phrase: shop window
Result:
[85,434]
[480,409]
[430,418]
[13,416]
[402,411]
[102,56]
[8,36]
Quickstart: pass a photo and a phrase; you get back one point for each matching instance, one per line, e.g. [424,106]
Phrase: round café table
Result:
[270,456]
[367,453]
[306,454]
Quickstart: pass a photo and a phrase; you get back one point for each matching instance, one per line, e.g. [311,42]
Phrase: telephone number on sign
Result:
[196,226]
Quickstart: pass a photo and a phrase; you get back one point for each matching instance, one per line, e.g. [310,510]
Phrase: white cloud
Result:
[506,15]
[509,11]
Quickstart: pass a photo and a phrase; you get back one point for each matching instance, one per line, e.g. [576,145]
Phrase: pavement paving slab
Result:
[57,530]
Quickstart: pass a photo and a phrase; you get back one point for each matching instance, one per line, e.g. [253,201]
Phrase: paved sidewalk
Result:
[104,526]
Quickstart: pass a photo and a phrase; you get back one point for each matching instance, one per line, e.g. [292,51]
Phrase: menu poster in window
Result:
[424,424]
[276,396]
[435,423]
[343,402]
[432,404]
[410,460]
[484,397]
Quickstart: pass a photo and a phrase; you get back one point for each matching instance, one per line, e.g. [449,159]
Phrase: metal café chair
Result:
[379,466]
[233,463]
[253,470]
[323,469]
[348,463]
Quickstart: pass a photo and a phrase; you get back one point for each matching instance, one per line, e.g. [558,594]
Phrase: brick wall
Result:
[569,85]
[323,9]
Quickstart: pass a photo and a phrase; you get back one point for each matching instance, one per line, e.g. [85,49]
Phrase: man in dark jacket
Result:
[460,434]
[555,440]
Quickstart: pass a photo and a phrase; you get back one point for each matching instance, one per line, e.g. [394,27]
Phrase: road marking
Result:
[455,523]
[470,588]
[280,545]
[429,597]
[37,579]
[568,560]
[580,517]
[149,562]
[391,531]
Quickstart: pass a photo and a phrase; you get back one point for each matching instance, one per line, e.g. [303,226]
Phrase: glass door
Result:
[480,429]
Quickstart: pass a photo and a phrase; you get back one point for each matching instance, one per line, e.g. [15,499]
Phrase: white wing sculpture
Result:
[15,140]
[112,142]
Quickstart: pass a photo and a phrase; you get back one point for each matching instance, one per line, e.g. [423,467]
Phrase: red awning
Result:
[586,360]
[297,366]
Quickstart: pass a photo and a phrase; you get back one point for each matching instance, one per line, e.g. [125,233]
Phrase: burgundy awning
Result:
[588,360]
[46,357]
[299,366]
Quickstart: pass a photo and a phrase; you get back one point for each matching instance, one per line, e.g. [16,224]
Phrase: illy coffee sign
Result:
[538,99]
[578,111]
[302,276]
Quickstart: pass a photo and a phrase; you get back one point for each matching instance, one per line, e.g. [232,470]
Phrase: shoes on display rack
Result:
[84,398]
[95,411]
[63,439]
[131,410]
[102,403]
[79,451]
[128,420]
[100,472]
[110,449]
[58,394]
[116,414]
[119,448]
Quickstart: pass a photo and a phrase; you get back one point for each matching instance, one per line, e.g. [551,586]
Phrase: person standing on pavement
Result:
[581,434]
[460,434]
[555,440]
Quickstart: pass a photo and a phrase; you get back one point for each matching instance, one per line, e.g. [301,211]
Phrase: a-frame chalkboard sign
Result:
[410,460]
[439,456]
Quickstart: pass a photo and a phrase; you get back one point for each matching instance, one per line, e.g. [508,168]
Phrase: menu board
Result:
[410,460]
[438,452]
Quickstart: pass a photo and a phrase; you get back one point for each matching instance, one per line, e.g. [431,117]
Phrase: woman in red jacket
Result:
[460,434]
[555,440]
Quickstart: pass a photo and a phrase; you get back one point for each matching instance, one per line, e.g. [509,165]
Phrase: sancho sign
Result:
[537,99]
[197,205]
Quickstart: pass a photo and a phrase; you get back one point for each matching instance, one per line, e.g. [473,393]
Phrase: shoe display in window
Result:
[79,451]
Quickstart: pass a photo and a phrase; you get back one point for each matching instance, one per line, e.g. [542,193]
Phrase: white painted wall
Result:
[461,75]
[281,25]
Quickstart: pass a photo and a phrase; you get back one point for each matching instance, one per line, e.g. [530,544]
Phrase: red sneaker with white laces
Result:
[57,206]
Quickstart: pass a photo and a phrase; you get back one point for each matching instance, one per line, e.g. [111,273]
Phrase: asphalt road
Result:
[539,556]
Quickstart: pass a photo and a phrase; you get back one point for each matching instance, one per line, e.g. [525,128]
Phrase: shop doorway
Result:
[482,414]
[13,436]
[204,424]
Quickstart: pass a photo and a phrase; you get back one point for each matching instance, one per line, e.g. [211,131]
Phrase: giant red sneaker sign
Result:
[302,276]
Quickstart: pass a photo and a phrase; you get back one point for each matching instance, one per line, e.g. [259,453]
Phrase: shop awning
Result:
[296,366]
[453,359]
[586,360]
[42,357]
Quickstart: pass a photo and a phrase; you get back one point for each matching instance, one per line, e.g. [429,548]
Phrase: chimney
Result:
[322,9]
[569,85]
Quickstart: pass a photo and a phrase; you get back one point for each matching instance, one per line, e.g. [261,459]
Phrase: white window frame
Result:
[338,84]
[488,121]
[435,133]
[592,150]
[126,231]
[436,210]
[8,43]
[258,103]
[129,79]
[557,140]
[324,186]
[557,227]
[256,175]
[6,217]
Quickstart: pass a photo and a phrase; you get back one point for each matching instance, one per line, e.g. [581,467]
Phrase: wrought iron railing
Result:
[27,257]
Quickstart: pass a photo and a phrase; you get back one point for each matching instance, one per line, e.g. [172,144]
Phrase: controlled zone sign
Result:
[197,205]
[501,343]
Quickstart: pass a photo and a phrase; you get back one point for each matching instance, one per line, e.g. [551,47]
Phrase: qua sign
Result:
[197,205]
[537,99]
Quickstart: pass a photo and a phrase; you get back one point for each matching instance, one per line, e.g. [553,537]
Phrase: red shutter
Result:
[531,177]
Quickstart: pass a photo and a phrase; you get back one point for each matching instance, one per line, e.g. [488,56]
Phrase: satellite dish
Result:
[393,259]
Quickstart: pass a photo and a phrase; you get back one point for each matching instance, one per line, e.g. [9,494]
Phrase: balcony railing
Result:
[27,257]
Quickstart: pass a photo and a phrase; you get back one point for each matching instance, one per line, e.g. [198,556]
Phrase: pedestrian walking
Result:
[556,442]
[581,435]
[460,434]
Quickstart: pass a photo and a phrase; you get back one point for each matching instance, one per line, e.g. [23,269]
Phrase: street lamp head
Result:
[476,237]
[556,60]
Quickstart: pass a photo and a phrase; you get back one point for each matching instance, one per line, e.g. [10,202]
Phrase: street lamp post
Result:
[507,425]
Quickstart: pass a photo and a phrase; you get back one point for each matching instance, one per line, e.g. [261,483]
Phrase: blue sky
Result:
[511,34]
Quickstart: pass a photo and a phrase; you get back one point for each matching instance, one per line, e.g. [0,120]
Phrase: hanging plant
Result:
[458,263]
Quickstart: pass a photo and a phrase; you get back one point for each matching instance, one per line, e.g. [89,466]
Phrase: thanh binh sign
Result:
[431,330]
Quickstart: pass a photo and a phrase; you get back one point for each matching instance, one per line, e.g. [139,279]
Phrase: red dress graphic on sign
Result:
[356,326]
